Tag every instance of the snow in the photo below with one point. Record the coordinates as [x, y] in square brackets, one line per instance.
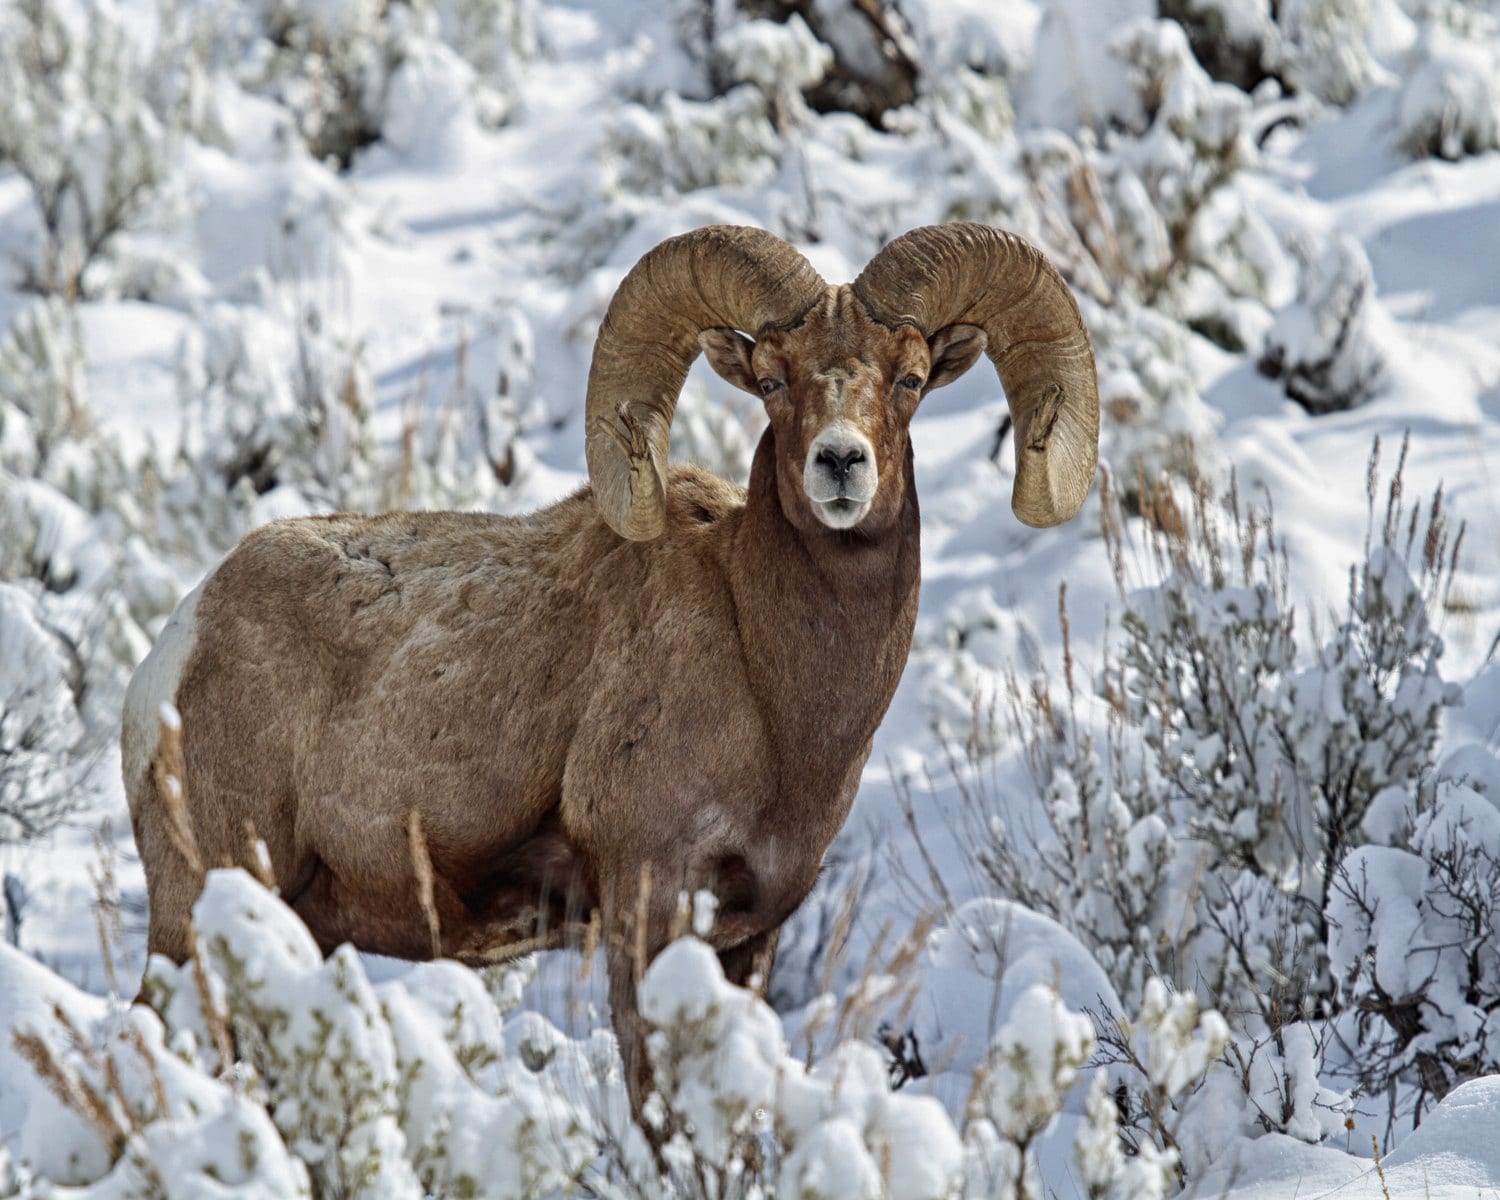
[288, 323]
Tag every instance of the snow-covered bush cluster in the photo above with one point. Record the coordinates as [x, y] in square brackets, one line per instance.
[266, 1068]
[1327, 348]
[76, 123]
[1237, 878]
[412, 74]
[1450, 104]
[1263, 816]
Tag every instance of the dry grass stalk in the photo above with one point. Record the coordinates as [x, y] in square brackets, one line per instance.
[215, 1018]
[158, 1089]
[838, 940]
[864, 1002]
[170, 770]
[73, 1091]
[108, 1110]
[257, 859]
[1067, 641]
[1385, 1189]
[682, 917]
[421, 863]
[642, 914]
[107, 921]
[934, 876]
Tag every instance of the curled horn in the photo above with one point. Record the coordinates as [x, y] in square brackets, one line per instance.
[970, 274]
[721, 276]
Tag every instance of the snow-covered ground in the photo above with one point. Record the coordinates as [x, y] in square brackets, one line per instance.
[362, 251]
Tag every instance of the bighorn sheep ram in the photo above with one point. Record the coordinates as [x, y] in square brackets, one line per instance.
[662, 683]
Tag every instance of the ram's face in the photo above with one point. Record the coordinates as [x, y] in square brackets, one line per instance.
[840, 390]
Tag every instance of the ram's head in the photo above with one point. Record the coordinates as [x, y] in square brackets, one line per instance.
[842, 368]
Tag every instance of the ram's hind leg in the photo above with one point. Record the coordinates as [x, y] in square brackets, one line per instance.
[172, 881]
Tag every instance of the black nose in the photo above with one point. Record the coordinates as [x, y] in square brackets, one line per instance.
[840, 464]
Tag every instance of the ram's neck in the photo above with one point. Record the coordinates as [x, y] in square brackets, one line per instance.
[826, 622]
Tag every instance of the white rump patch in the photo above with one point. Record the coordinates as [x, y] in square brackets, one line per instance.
[153, 688]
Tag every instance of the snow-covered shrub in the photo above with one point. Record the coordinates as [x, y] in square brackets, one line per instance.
[1033, 1062]
[1202, 809]
[684, 145]
[278, 400]
[838, 55]
[1320, 48]
[1153, 213]
[402, 1090]
[266, 1068]
[47, 431]
[41, 388]
[1162, 1058]
[76, 124]
[324, 63]
[1155, 421]
[736, 138]
[497, 38]
[72, 558]
[1325, 49]
[426, 106]
[1450, 103]
[981, 643]
[1182, 233]
[351, 72]
[42, 734]
[1234, 40]
[1327, 347]
[470, 451]
[339, 1088]
[1416, 943]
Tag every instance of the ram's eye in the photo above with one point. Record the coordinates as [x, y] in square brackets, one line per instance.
[912, 381]
[767, 386]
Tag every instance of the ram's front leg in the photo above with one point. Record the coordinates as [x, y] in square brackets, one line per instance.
[636, 924]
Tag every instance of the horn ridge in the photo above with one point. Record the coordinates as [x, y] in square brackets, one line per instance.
[966, 273]
[718, 276]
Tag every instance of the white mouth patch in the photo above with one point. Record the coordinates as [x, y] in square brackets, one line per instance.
[840, 475]
[841, 514]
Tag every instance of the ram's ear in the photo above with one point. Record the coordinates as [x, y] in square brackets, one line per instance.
[954, 350]
[728, 353]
